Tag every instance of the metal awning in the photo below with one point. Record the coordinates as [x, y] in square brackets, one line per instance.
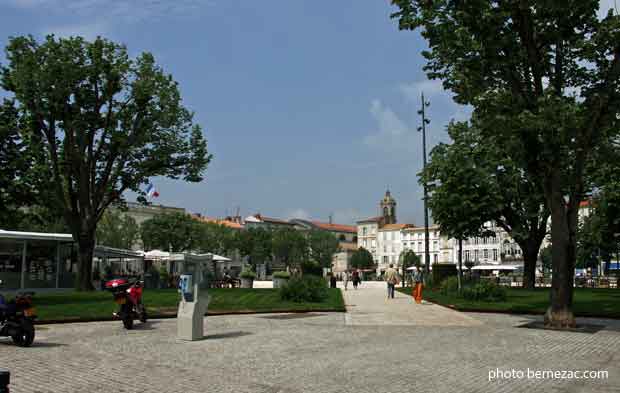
[17, 235]
[495, 267]
[111, 252]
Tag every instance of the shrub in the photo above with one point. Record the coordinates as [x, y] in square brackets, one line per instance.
[164, 276]
[248, 274]
[485, 291]
[281, 275]
[449, 286]
[307, 288]
[441, 271]
[312, 268]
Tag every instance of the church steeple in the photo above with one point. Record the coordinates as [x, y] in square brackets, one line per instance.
[388, 208]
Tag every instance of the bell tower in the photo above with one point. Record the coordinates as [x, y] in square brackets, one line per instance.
[388, 208]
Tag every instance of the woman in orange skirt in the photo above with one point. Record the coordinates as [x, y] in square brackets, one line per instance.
[417, 286]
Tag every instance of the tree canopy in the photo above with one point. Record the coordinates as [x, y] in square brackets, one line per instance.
[108, 124]
[323, 246]
[173, 232]
[498, 190]
[117, 230]
[362, 259]
[290, 246]
[543, 73]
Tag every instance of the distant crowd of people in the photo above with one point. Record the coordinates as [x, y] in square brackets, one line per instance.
[390, 276]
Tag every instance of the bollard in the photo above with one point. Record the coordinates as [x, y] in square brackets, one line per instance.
[5, 379]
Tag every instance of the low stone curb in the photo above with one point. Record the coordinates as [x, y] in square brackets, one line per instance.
[514, 312]
[174, 315]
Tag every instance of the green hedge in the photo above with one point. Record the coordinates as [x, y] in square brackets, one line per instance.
[441, 271]
[307, 288]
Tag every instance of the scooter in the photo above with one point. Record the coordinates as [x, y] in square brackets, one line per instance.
[17, 318]
[128, 295]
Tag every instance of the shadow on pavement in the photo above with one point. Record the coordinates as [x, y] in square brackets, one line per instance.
[226, 335]
[35, 344]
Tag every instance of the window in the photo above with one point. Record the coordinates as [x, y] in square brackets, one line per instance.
[363, 231]
[384, 248]
[365, 243]
[374, 243]
[435, 245]
[467, 255]
[495, 254]
[475, 255]
[393, 248]
[434, 258]
[385, 259]
[420, 248]
[486, 253]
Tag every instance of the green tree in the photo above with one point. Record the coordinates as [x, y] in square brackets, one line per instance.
[407, 259]
[215, 238]
[362, 259]
[544, 73]
[459, 190]
[173, 232]
[117, 230]
[516, 201]
[289, 246]
[256, 244]
[108, 124]
[323, 245]
[25, 200]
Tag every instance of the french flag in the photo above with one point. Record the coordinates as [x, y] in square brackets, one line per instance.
[151, 191]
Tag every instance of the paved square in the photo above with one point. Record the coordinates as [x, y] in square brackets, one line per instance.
[321, 353]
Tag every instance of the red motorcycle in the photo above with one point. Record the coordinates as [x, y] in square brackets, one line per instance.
[128, 295]
[17, 318]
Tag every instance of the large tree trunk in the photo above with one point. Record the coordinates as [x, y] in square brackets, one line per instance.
[560, 314]
[460, 271]
[530, 257]
[86, 246]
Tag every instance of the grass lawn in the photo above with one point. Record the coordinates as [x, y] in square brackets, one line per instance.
[587, 302]
[99, 305]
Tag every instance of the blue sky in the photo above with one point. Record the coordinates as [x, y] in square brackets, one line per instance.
[309, 107]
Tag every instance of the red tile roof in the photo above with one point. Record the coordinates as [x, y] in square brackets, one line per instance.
[335, 227]
[392, 227]
[372, 219]
[226, 223]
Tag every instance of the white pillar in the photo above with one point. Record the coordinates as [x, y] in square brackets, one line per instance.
[22, 283]
[57, 263]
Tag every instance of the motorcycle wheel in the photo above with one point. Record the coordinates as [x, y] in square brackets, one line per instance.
[128, 322]
[25, 337]
[143, 316]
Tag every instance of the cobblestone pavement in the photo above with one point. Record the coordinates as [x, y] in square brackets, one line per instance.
[290, 353]
[369, 306]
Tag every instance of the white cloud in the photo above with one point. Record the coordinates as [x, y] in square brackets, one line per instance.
[413, 91]
[88, 31]
[103, 15]
[392, 132]
[298, 213]
[606, 5]
[347, 216]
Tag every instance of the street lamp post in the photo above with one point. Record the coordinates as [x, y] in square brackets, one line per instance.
[425, 121]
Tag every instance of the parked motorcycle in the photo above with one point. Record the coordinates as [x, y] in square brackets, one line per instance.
[128, 295]
[17, 318]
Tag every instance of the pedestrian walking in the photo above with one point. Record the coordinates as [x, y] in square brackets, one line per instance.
[391, 277]
[356, 279]
[418, 285]
[345, 278]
